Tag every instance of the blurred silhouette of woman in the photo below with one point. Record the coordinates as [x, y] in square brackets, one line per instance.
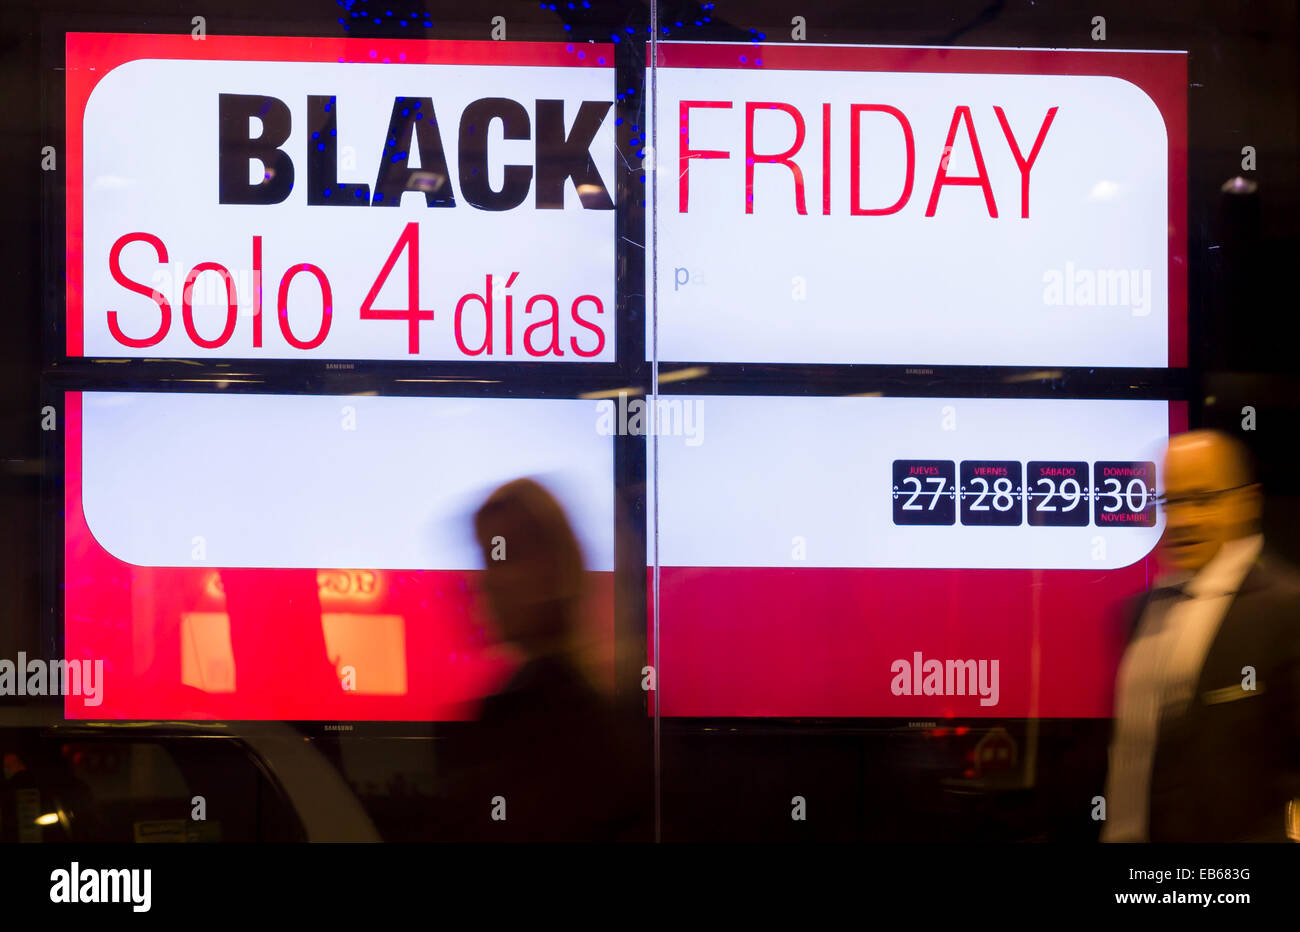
[534, 575]
[550, 765]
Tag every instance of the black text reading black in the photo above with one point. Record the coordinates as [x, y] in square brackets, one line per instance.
[559, 156]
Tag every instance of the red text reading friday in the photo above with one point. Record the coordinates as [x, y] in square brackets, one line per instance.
[961, 118]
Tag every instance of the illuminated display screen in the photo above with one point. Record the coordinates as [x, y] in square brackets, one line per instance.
[305, 557]
[339, 199]
[801, 555]
[295, 556]
[921, 206]
[911, 206]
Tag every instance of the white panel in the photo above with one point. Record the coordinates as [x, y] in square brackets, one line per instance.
[957, 288]
[150, 138]
[279, 480]
[761, 473]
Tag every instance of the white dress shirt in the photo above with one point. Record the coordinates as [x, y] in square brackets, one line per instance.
[1158, 677]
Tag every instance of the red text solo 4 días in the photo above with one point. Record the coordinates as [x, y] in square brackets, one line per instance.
[479, 325]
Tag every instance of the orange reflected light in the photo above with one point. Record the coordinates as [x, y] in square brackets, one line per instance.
[349, 585]
[373, 646]
[334, 585]
[207, 660]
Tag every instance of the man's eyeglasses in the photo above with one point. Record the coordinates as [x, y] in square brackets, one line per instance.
[1196, 499]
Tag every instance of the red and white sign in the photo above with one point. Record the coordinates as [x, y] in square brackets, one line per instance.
[831, 204]
[787, 586]
[339, 199]
[306, 557]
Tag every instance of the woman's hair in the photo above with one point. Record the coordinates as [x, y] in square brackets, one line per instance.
[523, 529]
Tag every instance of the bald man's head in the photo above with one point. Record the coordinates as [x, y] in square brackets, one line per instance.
[1212, 496]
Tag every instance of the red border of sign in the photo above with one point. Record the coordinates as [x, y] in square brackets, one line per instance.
[90, 56]
[1162, 76]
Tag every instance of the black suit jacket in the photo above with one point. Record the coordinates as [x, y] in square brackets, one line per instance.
[553, 749]
[1226, 768]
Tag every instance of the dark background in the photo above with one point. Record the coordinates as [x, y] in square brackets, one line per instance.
[726, 779]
